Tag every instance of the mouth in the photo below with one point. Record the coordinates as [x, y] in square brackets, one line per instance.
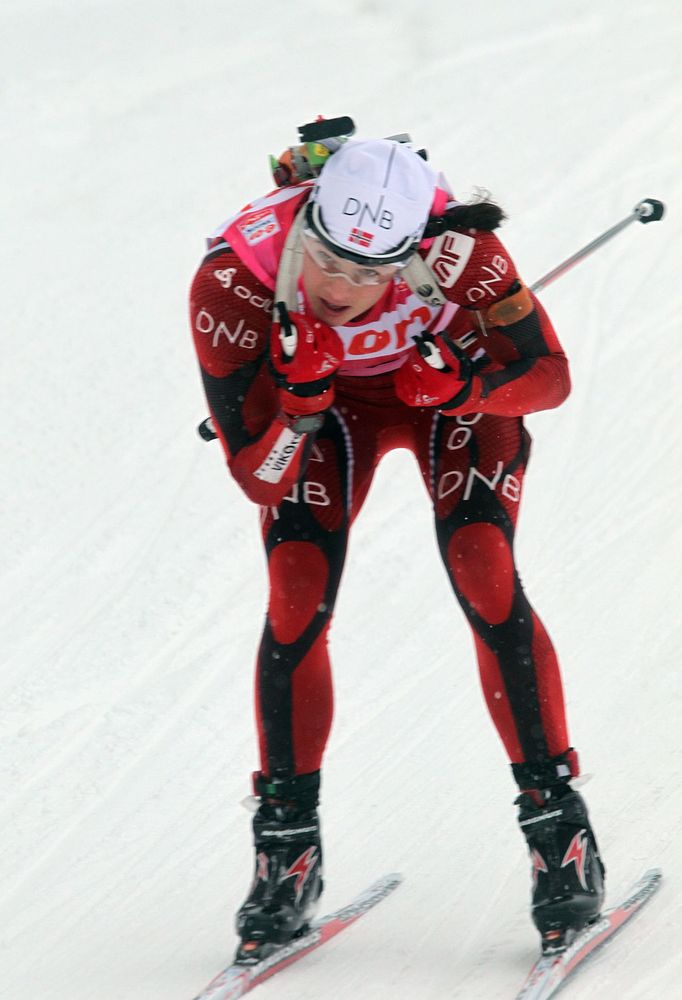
[332, 308]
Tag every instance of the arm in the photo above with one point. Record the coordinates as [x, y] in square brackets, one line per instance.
[231, 318]
[528, 370]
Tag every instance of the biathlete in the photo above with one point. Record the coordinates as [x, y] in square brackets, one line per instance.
[356, 309]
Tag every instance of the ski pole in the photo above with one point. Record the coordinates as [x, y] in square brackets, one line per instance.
[648, 210]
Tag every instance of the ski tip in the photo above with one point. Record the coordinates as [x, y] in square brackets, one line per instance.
[395, 879]
[641, 890]
[385, 885]
[388, 882]
[652, 877]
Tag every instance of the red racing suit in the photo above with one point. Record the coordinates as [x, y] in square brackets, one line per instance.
[311, 486]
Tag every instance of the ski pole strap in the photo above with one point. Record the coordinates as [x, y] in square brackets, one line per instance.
[648, 210]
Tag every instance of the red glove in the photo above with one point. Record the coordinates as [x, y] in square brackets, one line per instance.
[304, 355]
[436, 373]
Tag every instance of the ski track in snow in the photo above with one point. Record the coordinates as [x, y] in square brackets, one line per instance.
[133, 584]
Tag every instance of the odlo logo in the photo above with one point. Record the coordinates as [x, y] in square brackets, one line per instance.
[360, 210]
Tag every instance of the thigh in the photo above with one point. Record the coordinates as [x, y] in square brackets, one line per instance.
[476, 469]
[476, 479]
[314, 519]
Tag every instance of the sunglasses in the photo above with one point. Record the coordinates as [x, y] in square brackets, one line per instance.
[336, 267]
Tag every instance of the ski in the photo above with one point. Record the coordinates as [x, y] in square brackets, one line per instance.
[550, 972]
[236, 980]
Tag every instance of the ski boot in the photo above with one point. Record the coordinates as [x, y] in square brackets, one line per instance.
[287, 882]
[568, 874]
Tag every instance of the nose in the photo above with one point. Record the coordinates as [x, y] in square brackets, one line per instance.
[336, 289]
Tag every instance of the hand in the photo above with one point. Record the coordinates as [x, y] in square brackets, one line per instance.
[436, 373]
[305, 355]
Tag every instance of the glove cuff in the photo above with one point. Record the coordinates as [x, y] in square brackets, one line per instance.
[295, 405]
[315, 388]
[470, 395]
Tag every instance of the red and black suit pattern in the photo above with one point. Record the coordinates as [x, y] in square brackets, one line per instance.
[472, 459]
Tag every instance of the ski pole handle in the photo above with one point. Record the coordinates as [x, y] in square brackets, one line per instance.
[648, 210]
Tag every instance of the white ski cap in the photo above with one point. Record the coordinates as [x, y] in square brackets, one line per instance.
[372, 199]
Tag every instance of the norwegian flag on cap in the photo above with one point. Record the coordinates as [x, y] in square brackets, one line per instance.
[360, 237]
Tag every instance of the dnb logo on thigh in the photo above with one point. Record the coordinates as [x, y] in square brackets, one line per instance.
[449, 482]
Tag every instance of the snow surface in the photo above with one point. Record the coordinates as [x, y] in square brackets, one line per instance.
[132, 577]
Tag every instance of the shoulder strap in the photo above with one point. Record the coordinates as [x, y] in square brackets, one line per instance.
[291, 265]
[422, 281]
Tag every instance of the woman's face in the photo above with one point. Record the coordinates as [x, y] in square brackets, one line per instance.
[333, 298]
